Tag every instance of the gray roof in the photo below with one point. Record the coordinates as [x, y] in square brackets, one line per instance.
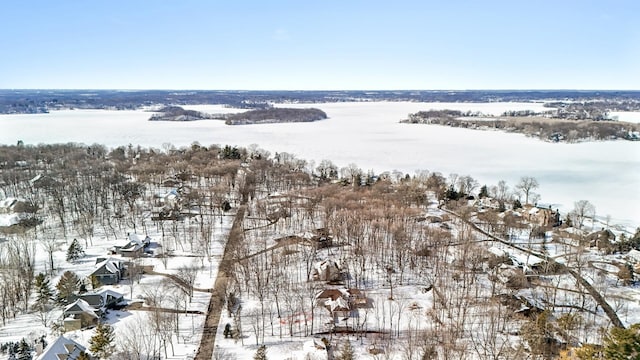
[69, 349]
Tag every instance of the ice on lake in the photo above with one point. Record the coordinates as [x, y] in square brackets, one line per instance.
[369, 134]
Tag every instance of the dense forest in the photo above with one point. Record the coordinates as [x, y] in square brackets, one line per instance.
[275, 115]
[557, 127]
[177, 113]
[259, 116]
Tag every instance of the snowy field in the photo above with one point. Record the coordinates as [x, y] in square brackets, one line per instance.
[369, 135]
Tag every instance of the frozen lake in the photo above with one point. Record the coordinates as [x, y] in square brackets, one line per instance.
[628, 116]
[369, 135]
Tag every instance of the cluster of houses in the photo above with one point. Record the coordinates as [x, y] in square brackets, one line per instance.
[86, 309]
[341, 303]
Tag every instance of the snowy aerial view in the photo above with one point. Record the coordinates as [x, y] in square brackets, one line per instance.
[333, 181]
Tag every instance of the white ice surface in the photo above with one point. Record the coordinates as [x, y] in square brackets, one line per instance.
[369, 135]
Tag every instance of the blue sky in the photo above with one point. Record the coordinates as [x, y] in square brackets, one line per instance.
[268, 45]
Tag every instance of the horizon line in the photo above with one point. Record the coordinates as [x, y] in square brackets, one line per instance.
[310, 90]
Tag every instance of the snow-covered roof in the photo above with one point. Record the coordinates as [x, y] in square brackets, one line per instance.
[330, 294]
[9, 219]
[8, 202]
[526, 260]
[134, 238]
[104, 292]
[168, 195]
[634, 255]
[339, 304]
[323, 265]
[82, 305]
[110, 265]
[62, 348]
[36, 178]
[497, 251]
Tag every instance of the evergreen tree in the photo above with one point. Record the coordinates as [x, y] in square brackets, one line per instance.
[75, 251]
[538, 334]
[452, 194]
[346, 353]
[261, 354]
[83, 356]
[43, 287]
[622, 343]
[44, 296]
[69, 283]
[517, 204]
[484, 192]
[24, 351]
[101, 343]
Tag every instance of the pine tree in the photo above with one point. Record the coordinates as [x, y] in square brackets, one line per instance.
[43, 287]
[75, 251]
[24, 351]
[261, 354]
[101, 343]
[83, 356]
[517, 204]
[346, 353]
[42, 306]
[69, 283]
[622, 343]
[484, 192]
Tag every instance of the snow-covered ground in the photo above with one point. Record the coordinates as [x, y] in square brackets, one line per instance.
[628, 116]
[369, 135]
[131, 322]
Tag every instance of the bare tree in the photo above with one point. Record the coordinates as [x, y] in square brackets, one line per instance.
[137, 341]
[467, 184]
[186, 276]
[500, 191]
[582, 210]
[50, 245]
[526, 186]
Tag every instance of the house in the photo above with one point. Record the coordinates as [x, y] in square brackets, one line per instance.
[79, 315]
[62, 349]
[167, 206]
[342, 304]
[102, 300]
[488, 203]
[133, 247]
[42, 181]
[327, 270]
[18, 212]
[108, 271]
[601, 239]
[541, 215]
[633, 256]
[358, 299]
[321, 238]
